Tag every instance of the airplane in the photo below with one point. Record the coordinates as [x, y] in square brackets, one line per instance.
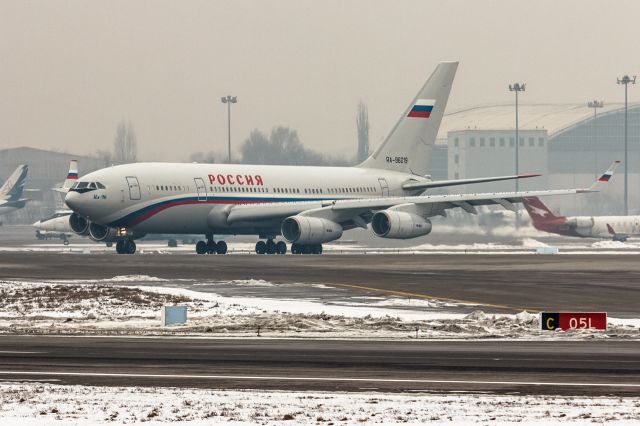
[11, 191]
[57, 225]
[308, 206]
[616, 228]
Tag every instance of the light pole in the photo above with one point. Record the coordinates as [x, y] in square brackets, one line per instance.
[625, 80]
[595, 105]
[229, 100]
[517, 87]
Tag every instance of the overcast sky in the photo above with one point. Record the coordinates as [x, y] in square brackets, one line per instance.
[70, 70]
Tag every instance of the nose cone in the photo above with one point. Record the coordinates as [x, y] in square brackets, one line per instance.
[73, 200]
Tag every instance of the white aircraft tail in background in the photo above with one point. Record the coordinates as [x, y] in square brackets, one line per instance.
[11, 192]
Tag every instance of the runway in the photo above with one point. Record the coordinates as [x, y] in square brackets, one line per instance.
[500, 283]
[571, 368]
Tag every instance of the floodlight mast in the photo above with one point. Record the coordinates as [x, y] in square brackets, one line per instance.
[595, 105]
[626, 80]
[517, 87]
[229, 100]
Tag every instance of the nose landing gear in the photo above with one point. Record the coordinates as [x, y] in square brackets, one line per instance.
[125, 247]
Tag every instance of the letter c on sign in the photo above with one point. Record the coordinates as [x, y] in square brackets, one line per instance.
[550, 325]
[239, 180]
[230, 180]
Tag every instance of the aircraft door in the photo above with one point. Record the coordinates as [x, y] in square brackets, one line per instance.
[134, 187]
[201, 188]
[384, 187]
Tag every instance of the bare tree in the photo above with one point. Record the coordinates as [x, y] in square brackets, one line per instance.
[362, 123]
[283, 146]
[105, 157]
[125, 144]
[203, 157]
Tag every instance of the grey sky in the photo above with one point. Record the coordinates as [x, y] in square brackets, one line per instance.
[72, 69]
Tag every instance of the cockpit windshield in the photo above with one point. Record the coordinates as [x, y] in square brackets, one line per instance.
[86, 186]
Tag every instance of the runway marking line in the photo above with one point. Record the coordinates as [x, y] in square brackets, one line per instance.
[428, 296]
[314, 379]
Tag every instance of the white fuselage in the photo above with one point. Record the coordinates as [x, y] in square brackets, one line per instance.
[56, 225]
[598, 226]
[183, 198]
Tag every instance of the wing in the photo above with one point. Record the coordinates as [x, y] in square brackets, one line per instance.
[454, 182]
[342, 211]
[350, 213]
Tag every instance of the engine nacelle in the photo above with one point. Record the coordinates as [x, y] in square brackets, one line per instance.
[79, 224]
[399, 225]
[580, 222]
[310, 230]
[102, 233]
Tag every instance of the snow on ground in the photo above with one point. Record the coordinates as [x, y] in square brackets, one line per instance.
[115, 306]
[28, 404]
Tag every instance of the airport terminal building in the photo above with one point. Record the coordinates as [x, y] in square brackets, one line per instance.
[564, 142]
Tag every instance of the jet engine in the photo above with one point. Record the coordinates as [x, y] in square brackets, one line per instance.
[79, 224]
[399, 225]
[102, 233]
[580, 222]
[310, 230]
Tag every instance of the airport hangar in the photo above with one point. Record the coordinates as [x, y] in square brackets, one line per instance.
[561, 141]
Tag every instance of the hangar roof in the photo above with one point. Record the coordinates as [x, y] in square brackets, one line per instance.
[555, 118]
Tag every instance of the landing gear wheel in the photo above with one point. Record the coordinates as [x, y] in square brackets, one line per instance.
[65, 242]
[221, 247]
[316, 249]
[261, 247]
[201, 247]
[130, 247]
[211, 247]
[271, 247]
[295, 248]
[120, 245]
[306, 249]
[281, 247]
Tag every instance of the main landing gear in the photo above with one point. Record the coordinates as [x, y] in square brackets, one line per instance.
[306, 248]
[271, 247]
[211, 247]
[125, 247]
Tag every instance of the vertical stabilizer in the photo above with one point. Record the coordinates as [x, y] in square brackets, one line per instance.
[12, 188]
[72, 176]
[538, 211]
[407, 147]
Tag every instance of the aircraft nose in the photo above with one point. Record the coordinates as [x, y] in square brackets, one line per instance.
[72, 199]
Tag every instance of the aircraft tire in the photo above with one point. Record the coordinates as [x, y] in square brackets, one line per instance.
[295, 248]
[201, 247]
[306, 249]
[221, 247]
[65, 242]
[120, 247]
[271, 247]
[211, 247]
[281, 247]
[261, 247]
[316, 249]
[130, 247]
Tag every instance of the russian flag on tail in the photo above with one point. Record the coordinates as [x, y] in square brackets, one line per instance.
[607, 175]
[422, 108]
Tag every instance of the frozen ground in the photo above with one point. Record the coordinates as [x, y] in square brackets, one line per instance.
[119, 306]
[27, 404]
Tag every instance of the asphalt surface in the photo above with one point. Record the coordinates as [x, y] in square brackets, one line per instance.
[572, 368]
[499, 282]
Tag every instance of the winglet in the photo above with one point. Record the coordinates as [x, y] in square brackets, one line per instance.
[606, 176]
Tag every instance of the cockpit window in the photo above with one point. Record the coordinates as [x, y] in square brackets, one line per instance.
[82, 187]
